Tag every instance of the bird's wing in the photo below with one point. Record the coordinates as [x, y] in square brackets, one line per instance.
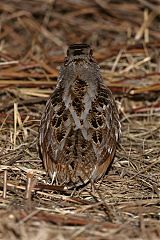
[54, 129]
[104, 128]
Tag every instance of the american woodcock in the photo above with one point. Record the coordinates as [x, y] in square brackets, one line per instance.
[80, 126]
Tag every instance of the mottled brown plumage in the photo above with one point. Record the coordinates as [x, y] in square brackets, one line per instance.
[80, 126]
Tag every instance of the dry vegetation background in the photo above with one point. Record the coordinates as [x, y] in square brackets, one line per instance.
[125, 36]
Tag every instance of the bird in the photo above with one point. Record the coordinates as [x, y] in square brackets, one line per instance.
[80, 126]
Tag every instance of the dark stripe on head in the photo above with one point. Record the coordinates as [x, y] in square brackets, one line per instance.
[78, 49]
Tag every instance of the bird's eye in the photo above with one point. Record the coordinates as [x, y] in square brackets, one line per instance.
[67, 52]
[65, 60]
[91, 52]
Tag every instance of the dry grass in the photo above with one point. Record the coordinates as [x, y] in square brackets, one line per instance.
[34, 37]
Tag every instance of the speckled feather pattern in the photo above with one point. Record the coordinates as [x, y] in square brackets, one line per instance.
[80, 126]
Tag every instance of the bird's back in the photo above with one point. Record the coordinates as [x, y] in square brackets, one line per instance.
[79, 129]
